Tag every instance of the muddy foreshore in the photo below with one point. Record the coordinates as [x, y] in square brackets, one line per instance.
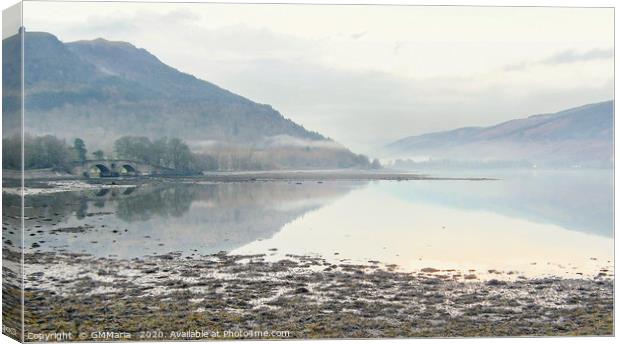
[227, 296]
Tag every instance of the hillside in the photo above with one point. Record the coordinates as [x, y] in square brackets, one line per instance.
[578, 136]
[115, 88]
[100, 90]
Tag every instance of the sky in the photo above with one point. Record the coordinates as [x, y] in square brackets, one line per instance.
[367, 75]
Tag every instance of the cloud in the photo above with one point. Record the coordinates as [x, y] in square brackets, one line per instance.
[382, 107]
[516, 66]
[358, 35]
[337, 82]
[563, 57]
[179, 16]
[121, 25]
[571, 56]
[286, 141]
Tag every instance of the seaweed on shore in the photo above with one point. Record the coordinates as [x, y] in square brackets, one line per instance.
[168, 293]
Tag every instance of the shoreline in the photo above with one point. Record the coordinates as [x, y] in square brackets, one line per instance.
[307, 296]
[38, 176]
[46, 185]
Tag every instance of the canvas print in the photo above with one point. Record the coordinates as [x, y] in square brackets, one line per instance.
[208, 171]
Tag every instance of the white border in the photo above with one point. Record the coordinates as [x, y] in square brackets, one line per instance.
[522, 3]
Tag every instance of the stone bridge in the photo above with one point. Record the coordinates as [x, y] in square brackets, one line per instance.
[117, 168]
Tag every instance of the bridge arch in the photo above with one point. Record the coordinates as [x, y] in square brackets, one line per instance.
[99, 170]
[128, 170]
[117, 168]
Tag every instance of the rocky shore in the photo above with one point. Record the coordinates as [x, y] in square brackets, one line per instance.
[231, 296]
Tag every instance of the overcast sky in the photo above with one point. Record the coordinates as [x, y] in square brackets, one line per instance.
[367, 75]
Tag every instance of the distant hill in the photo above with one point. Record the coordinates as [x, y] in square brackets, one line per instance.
[100, 90]
[578, 136]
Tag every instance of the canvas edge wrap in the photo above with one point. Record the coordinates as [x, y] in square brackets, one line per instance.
[13, 129]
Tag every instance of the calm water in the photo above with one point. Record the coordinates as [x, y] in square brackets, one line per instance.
[535, 223]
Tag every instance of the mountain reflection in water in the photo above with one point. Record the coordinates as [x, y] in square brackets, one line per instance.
[545, 223]
[531, 221]
[580, 200]
[199, 217]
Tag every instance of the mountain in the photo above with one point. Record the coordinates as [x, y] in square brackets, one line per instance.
[108, 87]
[100, 90]
[578, 136]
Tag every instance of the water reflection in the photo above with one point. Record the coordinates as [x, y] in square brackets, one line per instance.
[532, 223]
[518, 226]
[580, 200]
[163, 202]
[160, 218]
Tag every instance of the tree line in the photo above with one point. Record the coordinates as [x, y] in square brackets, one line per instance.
[243, 158]
[39, 152]
[49, 151]
[171, 153]
[52, 152]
